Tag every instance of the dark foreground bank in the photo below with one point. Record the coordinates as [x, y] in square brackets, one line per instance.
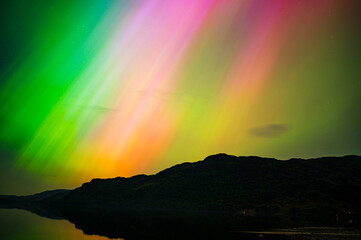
[220, 197]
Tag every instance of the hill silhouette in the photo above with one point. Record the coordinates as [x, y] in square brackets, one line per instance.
[41, 204]
[249, 185]
[214, 198]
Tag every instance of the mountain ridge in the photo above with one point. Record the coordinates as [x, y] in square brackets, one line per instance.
[225, 182]
[319, 187]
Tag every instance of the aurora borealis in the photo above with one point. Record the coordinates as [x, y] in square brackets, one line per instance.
[117, 88]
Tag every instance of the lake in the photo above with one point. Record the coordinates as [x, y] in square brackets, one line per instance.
[20, 224]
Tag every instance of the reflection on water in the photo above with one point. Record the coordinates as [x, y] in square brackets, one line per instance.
[21, 224]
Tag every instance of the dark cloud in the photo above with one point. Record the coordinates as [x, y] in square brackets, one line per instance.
[269, 131]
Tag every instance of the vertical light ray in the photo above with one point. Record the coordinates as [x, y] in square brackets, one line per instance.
[108, 88]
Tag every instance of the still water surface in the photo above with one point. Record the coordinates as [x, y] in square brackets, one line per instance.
[20, 224]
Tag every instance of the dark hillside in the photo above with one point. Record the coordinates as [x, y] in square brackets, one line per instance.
[252, 185]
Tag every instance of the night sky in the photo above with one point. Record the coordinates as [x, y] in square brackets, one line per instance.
[117, 88]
